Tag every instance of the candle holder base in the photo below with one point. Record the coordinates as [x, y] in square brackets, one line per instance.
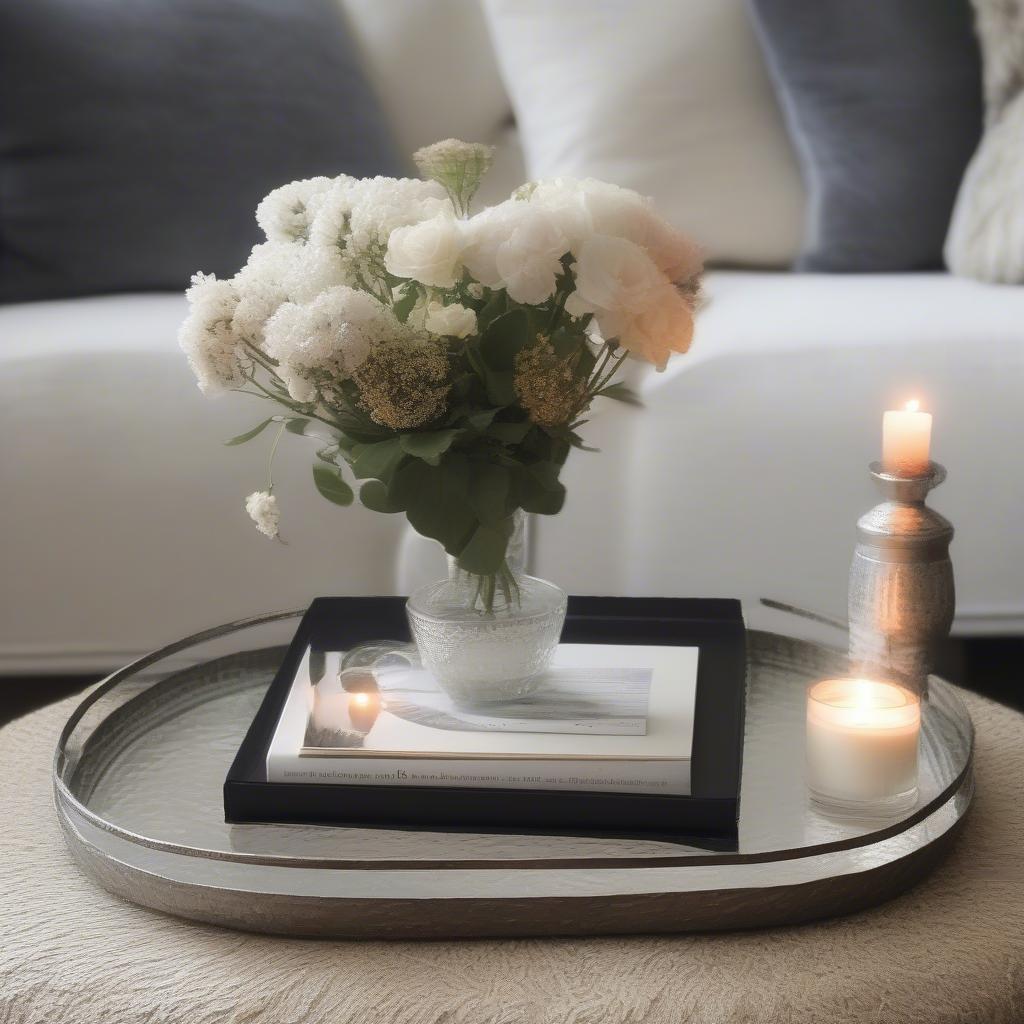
[894, 806]
[901, 595]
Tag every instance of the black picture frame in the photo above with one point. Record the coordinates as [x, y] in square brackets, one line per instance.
[336, 623]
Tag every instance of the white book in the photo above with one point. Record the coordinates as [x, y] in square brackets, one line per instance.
[606, 718]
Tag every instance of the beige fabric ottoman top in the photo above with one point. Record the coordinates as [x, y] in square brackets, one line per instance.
[950, 950]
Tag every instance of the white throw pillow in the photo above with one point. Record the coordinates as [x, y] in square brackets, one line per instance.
[669, 98]
[433, 67]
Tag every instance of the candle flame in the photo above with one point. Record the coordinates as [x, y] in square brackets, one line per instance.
[360, 699]
[913, 405]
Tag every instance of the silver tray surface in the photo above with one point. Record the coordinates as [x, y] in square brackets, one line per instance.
[140, 766]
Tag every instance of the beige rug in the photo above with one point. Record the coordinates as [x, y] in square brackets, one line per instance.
[951, 950]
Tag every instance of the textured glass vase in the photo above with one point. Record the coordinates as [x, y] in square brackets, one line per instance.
[488, 640]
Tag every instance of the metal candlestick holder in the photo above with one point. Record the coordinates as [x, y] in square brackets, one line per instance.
[901, 597]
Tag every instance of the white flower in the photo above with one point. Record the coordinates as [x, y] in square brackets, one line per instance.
[588, 207]
[263, 511]
[613, 277]
[428, 252]
[475, 289]
[323, 342]
[458, 166]
[518, 247]
[214, 350]
[453, 321]
[664, 326]
[285, 215]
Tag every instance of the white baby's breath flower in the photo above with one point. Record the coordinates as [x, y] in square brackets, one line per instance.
[454, 321]
[215, 352]
[263, 511]
[285, 215]
[323, 342]
[428, 252]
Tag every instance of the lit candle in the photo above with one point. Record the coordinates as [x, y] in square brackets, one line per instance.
[906, 438]
[363, 708]
[862, 739]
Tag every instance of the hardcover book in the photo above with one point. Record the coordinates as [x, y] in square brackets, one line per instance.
[606, 718]
[637, 726]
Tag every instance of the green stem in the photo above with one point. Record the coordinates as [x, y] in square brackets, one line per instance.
[270, 459]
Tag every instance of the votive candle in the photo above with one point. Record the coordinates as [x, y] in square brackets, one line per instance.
[862, 744]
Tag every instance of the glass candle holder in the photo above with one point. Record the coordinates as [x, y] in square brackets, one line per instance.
[862, 747]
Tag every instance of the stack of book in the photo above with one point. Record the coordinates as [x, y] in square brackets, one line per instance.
[641, 731]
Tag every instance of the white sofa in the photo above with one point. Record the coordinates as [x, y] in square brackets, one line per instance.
[122, 514]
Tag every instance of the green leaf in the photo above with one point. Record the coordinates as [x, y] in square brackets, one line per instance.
[250, 434]
[428, 446]
[539, 489]
[486, 549]
[374, 496]
[510, 433]
[404, 306]
[330, 484]
[621, 393]
[436, 500]
[378, 460]
[495, 306]
[504, 339]
[296, 425]
[482, 420]
[488, 492]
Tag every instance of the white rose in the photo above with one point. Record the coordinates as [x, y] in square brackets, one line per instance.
[663, 327]
[428, 252]
[613, 277]
[454, 321]
[518, 247]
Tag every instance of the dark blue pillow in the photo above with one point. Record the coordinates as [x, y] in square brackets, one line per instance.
[883, 100]
[137, 136]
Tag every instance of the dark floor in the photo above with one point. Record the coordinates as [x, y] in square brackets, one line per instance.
[993, 666]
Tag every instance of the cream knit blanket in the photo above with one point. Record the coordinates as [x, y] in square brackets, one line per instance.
[950, 950]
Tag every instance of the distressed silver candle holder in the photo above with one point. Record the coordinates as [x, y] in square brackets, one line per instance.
[901, 597]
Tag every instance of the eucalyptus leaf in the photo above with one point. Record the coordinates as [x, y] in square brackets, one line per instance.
[436, 500]
[374, 496]
[621, 393]
[404, 306]
[482, 420]
[504, 339]
[330, 484]
[250, 434]
[378, 460]
[489, 491]
[485, 552]
[296, 425]
[510, 433]
[428, 446]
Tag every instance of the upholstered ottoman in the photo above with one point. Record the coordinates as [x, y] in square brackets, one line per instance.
[950, 950]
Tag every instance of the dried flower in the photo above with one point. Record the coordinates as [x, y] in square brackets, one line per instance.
[458, 166]
[263, 511]
[548, 387]
[404, 385]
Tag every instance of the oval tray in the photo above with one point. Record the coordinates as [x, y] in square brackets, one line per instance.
[140, 765]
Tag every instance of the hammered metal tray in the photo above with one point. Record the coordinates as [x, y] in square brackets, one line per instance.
[140, 765]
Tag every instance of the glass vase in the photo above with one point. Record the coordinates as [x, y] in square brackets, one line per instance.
[488, 639]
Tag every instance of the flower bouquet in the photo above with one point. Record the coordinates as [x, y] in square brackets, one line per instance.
[443, 360]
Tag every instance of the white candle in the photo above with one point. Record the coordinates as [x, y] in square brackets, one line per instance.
[862, 739]
[906, 440]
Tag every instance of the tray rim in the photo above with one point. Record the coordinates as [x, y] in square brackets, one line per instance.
[65, 800]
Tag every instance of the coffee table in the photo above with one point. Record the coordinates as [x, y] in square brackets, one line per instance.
[139, 768]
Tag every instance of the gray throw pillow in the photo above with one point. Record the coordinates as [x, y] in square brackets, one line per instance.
[137, 136]
[883, 100]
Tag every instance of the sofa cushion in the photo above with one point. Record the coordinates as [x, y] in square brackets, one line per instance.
[884, 104]
[986, 235]
[671, 99]
[137, 136]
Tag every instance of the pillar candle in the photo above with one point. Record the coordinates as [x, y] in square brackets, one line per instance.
[906, 439]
